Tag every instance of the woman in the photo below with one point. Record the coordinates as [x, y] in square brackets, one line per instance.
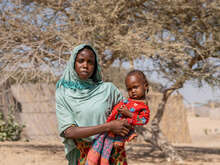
[83, 102]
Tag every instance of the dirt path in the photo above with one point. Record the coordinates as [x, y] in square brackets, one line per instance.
[204, 150]
[51, 153]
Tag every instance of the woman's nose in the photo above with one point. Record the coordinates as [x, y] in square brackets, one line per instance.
[85, 65]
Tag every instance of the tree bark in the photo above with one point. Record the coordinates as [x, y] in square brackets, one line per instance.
[154, 135]
[156, 138]
[131, 63]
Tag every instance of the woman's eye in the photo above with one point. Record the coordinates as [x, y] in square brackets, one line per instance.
[80, 60]
[91, 62]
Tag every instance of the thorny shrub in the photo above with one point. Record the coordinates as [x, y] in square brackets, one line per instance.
[10, 130]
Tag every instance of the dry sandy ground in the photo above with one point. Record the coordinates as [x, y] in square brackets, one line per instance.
[204, 150]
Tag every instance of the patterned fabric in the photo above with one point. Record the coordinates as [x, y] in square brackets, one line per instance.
[101, 150]
[83, 147]
[141, 112]
[118, 154]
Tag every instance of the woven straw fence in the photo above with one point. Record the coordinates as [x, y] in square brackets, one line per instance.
[174, 122]
[38, 110]
[38, 113]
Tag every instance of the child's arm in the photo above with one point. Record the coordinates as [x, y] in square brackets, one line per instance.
[136, 118]
[114, 113]
[124, 111]
[142, 118]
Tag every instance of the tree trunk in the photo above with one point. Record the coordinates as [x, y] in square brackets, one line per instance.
[154, 135]
[159, 141]
[131, 63]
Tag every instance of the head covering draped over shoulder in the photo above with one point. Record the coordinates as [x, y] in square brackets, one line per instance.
[82, 103]
[70, 79]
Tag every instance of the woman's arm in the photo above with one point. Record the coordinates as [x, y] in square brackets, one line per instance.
[119, 127]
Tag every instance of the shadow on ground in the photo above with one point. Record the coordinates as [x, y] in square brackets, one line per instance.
[143, 152]
[138, 152]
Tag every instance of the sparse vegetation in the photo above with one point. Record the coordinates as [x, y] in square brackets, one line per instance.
[10, 130]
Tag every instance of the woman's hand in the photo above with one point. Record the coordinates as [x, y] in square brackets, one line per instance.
[120, 127]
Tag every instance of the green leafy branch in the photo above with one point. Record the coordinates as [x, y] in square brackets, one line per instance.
[10, 130]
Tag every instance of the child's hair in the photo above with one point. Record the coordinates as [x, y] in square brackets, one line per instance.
[139, 73]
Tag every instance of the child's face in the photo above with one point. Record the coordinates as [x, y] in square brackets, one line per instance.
[136, 87]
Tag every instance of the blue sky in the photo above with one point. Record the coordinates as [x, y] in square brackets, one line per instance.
[194, 94]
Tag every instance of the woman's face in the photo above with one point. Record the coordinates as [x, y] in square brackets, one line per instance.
[85, 64]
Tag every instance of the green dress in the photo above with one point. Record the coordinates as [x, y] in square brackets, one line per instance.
[82, 103]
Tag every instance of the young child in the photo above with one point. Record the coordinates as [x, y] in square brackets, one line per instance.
[133, 109]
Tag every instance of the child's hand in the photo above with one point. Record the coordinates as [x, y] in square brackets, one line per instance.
[124, 111]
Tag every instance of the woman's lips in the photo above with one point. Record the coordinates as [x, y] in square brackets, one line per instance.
[84, 72]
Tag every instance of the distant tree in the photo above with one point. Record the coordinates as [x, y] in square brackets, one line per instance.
[180, 37]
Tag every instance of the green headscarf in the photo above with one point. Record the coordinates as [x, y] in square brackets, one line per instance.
[70, 79]
[82, 102]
